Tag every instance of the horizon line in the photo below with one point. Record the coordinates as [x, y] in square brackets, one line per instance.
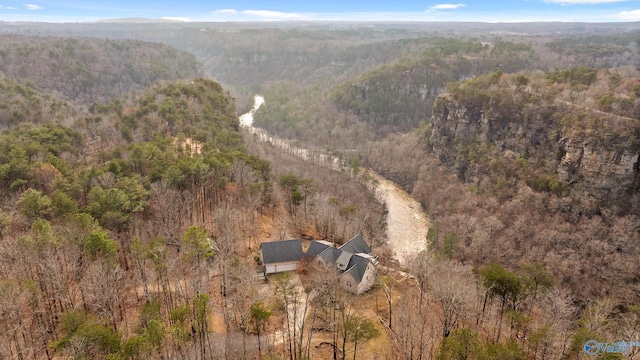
[169, 20]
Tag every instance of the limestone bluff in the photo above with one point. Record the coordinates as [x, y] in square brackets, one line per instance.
[530, 134]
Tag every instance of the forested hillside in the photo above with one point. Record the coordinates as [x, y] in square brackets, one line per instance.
[564, 140]
[20, 103]
[128, 226]
[83, 71]
[548, 172]
[76, 228]
[397, 97]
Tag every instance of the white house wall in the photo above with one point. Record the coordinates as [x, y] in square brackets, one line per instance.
[368, 279]
[280, 267]
[349, 283]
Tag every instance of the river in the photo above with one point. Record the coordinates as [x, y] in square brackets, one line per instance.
[407, 224]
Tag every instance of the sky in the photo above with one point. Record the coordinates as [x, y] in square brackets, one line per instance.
[323, 10]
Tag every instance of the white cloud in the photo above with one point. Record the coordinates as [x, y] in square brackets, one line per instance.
[446, 6]
[33, 7]
[275, 15]
[176, 18]
[225, 11]
[582, 2]
[632, 15]
[7, 7]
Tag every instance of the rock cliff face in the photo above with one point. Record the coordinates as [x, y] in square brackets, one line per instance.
[602, 169]
[533, 141]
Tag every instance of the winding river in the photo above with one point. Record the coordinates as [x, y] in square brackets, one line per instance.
[407, 224]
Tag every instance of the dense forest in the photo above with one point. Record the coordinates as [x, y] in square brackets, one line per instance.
[84, 71]
[133, 205]
[123, 222]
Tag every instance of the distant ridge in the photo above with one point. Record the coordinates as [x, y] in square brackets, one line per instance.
[137, 21]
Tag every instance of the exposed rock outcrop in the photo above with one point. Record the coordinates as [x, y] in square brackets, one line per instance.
[534, 139]
[602, 169]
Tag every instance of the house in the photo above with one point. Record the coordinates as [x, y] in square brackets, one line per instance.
[360, 274]
[353, 261]
[280, 256]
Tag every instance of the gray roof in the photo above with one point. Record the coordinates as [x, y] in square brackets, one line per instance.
[352, 257]
[281, 251]
[316, 248]
[330, 255]
[356, 245]
[357, 267]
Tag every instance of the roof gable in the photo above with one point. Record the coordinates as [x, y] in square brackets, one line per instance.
[357, 267]
[329, 255]
[281, 251]
[316, 247]
[356, 245]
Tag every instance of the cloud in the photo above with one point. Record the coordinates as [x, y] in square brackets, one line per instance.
[275, 15]
[7, 7]
[582, 2]
[632, 15]
[446, 6]
[176, 18]
[225, 11]
[33, 7]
